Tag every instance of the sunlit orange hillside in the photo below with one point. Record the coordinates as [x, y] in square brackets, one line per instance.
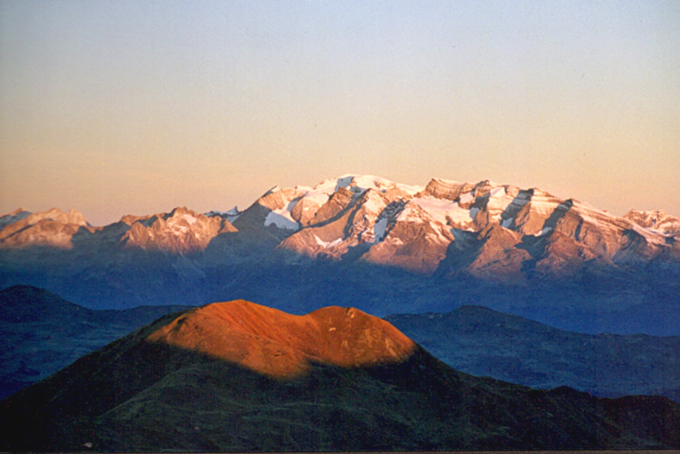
[278, 344]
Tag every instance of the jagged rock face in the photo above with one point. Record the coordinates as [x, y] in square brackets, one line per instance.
[378, 223]
[361, 225]
[445, 189]
[612, 238]
[533, 215]
[180, 231]
[337, 202]
[420, 241]
[486, 230]
[499, 256]
[14, 216]
[494, 203]
[52, 228]
[305, 211]
[657, 221]
[413, 240]
[563, 257]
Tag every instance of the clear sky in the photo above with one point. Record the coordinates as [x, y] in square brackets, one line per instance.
[117, 107]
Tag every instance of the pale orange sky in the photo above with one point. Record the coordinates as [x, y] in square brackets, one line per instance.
[138, 106]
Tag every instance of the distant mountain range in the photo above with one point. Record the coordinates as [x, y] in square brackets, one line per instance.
[242, 377]
[365, 241]
[483, 342]
[42, 333]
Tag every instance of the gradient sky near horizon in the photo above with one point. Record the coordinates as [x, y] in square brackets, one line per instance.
[136, 107]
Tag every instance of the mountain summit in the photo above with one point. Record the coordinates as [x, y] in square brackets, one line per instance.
[53, 228]
[276, 344]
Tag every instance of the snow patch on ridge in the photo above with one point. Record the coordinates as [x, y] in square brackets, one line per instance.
[410, 214]
[442, 210]
[359, 184]
[467, 198]
[410, 189]
[590, 214]
[499, 201]
[281, 219]
[379, 229]
[373, 203]
[327, 244]
[366, 182]
[318, 198]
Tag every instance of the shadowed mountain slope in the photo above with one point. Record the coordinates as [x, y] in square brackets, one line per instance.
[43, 333]
[483, 342]
[218, 378]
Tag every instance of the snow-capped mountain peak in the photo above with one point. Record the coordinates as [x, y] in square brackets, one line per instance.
[501, 229]
[351, 210]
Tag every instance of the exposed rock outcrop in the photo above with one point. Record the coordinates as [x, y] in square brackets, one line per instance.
[52, 228]
[180, 231]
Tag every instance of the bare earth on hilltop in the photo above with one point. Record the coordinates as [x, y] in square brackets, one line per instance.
[273, 343]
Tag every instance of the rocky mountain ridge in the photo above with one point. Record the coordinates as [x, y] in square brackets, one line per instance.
[657, 221]
[398, 225]
[446, 233]
[180, 231]
[51, 228]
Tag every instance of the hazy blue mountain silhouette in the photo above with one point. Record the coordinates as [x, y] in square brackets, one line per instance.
[483, 342]
[42, 333]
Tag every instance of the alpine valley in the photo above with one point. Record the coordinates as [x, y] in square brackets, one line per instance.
[373, 244]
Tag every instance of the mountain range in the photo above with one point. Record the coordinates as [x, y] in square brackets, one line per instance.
[237, 376]
[483, 342]
[368, 242]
